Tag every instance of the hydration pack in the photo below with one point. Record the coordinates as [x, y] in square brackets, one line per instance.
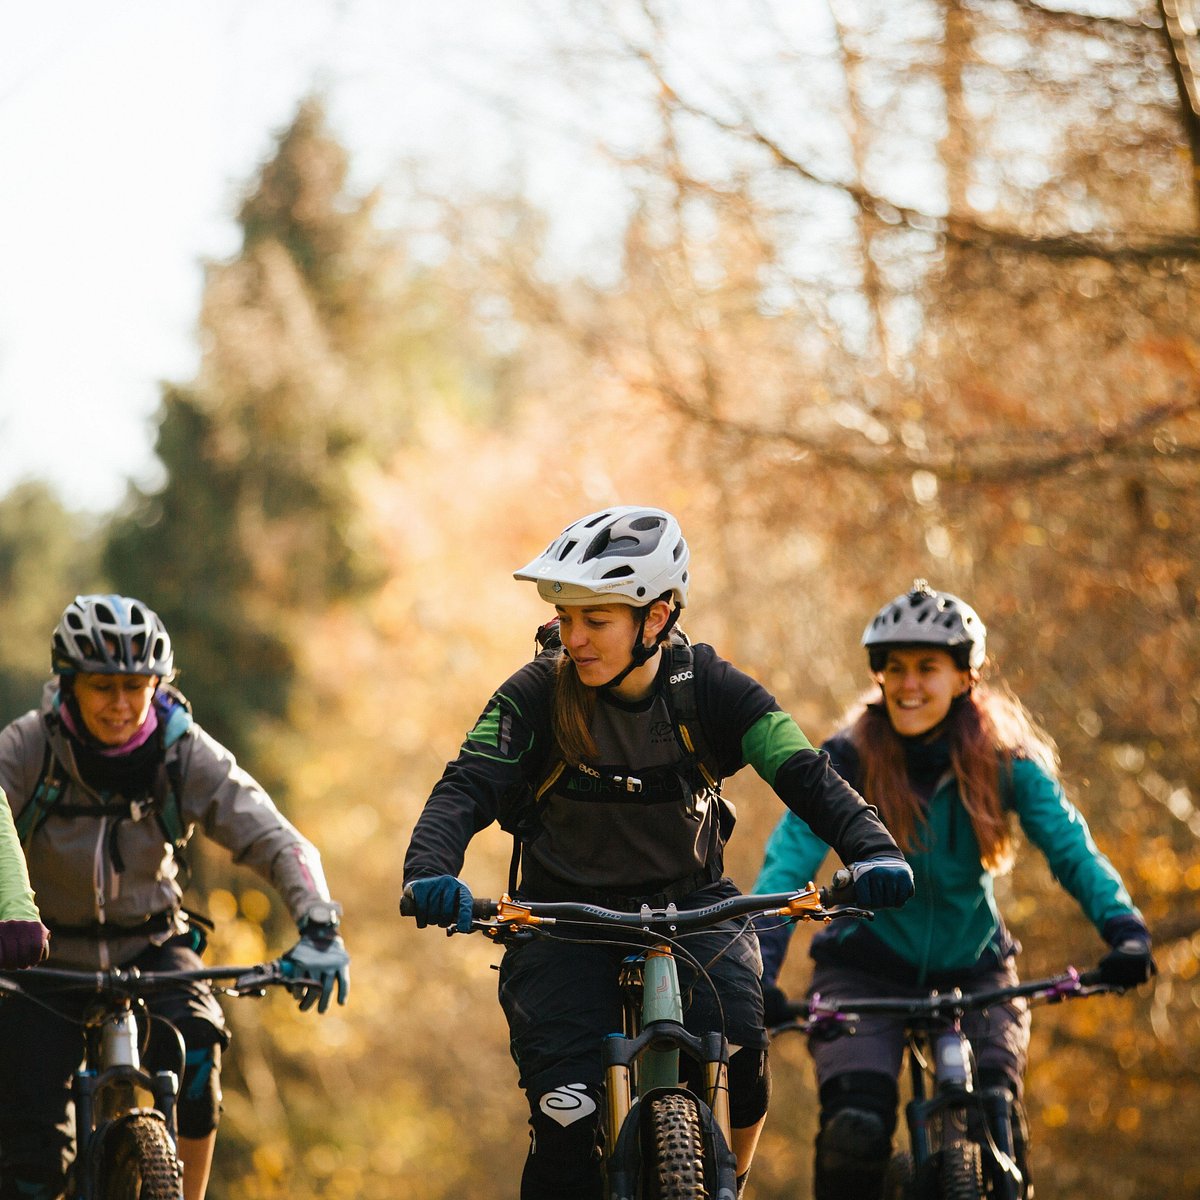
[697, 771]
[162, 803]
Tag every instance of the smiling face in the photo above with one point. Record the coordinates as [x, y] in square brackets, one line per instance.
[919, 685]
[114, 707]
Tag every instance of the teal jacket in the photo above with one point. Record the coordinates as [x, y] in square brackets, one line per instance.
[951, 924]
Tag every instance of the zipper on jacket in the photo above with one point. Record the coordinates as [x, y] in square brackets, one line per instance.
[98, 889]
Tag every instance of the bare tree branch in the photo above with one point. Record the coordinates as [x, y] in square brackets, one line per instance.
[962, 231]
[976, 460]
[1090, 22]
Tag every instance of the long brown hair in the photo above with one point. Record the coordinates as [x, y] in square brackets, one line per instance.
[574, 703]
[987, 729]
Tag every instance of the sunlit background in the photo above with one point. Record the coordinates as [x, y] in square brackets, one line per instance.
[317, 319]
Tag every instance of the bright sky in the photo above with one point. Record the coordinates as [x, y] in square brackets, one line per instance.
[127, 131]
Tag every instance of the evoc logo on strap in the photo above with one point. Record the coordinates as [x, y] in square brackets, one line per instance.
[682, 677]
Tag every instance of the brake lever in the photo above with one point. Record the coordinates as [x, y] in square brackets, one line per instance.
[256, 981]
[849, 910]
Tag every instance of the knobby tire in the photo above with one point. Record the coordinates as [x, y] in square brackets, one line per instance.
[673, 1150]
[962, 1170]
[139, 1162]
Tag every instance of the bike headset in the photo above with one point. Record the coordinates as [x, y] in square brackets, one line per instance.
[927, 617]
[627, 554]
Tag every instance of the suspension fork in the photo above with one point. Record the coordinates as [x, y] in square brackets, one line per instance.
[655, 1046]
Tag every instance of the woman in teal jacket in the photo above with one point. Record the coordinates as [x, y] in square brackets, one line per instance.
[946, 760]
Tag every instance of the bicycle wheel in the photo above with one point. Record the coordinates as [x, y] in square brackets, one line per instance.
[962, 1170]
[673, 1150]
[138, 1162]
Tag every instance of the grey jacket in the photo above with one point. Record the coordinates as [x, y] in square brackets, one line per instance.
[70, 858]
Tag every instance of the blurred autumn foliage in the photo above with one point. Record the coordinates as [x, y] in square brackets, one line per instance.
[911, 289]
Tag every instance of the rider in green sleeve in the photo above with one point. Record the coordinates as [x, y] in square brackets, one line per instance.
[24, 940]
[948, 762]
[628, 812]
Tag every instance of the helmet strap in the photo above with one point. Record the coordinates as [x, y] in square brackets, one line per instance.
[640, 653]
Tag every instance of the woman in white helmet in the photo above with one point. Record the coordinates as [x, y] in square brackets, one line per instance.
[947, 760]
[580, 727]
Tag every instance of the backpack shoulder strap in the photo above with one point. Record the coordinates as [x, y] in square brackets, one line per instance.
[45, 796]
[681, 688]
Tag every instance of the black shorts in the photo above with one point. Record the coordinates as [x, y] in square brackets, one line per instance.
[562, 997]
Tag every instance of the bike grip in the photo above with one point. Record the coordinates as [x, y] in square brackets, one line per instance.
[408, 906]
[481, 908]
[840, 889]
[1091, 978]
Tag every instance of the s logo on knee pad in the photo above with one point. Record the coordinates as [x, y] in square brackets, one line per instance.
[568, 1104]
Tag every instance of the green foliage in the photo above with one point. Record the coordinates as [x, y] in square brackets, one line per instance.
[265, 451]
[47, 556]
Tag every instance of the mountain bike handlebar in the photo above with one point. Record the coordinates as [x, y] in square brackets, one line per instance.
[819, 1015]
[129, 981]
[810, 904]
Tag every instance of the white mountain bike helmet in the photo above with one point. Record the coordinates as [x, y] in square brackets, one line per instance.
[926, 617]
[111, 635]
[627, 554]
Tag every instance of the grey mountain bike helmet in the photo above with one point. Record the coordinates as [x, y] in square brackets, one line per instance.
[111, 635]
[622, 555]
[925, 617]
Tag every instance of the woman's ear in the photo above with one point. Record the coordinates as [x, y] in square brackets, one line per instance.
[657, 617]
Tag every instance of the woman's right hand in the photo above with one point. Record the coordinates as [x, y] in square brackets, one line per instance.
[884, 882]
[23, 944]
[440, 900]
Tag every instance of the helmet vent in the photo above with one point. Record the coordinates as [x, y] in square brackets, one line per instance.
[621, 572]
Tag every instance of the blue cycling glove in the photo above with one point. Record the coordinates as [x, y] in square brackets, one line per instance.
[882, 882]
[442, 900]
[320, 957]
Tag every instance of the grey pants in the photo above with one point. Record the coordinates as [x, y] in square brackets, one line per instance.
[1000, 1035]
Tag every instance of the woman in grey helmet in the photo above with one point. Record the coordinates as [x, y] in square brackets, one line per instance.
[107, 781]
[576, 726]
[946, 760]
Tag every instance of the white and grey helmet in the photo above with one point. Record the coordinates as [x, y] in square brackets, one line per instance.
[111, 635]
[926, 617]
[627, 554]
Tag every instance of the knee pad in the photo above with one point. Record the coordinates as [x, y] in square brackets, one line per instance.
[749, 1087]
[858, 1117]
[563, 1156]
[198, 1108]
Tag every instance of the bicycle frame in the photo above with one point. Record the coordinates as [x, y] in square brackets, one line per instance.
[106, 1087]
[941, 1067]
[641, 1064]
[943, 1050]
[650, 1049]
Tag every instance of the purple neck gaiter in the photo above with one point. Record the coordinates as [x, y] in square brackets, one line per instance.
[149, 725]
